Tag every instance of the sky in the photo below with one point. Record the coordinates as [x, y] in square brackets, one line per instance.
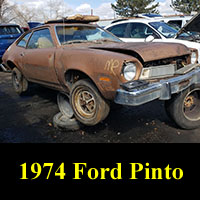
[94, 3]
[101, 8]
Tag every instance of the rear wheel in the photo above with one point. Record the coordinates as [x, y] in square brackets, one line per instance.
[20, 84]
[89, 106]
[184, 108]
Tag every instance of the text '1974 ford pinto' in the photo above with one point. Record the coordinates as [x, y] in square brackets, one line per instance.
[91, 68]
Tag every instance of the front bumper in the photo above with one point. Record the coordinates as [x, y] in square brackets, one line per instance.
[162, 90]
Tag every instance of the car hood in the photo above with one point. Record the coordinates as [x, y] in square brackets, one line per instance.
[147, 51]
[193, 25]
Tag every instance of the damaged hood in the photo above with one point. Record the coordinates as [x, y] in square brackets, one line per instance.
[193, 25]
[147, 51]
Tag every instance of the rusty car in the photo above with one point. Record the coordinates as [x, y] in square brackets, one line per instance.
[92, 68]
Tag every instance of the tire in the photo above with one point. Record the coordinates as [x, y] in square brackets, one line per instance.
[62, 121]
[184, 108]
[20, 84]
[64, 105]
[88, 105]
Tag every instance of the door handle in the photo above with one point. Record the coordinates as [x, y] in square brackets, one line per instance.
[22, 54]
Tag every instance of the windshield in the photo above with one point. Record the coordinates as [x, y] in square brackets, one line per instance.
[79, 34]
[164, 29]
[10, 30]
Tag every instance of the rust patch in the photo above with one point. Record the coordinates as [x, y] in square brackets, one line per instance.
[184, 84]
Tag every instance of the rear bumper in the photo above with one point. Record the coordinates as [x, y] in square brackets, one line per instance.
[162, 90]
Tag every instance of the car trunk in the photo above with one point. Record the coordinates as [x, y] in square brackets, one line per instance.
[8, 34]
[8, 39]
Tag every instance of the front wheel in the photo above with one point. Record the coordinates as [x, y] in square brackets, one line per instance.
[184, 108]
[88, 105]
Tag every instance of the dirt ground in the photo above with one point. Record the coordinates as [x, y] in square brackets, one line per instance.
[28, 119]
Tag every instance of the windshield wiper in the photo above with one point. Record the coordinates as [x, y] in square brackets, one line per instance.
[104, 40]
[75, 41]
[99, 41]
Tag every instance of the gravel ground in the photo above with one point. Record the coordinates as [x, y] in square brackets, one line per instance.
[28, 119]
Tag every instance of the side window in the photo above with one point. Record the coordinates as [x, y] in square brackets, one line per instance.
[118, 30]
[178, 23]
[40, 39]
[23, 41]
[140, 30]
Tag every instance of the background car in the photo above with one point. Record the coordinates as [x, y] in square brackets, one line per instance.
[8, 34]
[178, 21]
[139, 30]
[150, 16]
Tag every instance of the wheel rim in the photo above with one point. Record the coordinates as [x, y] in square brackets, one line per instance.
[85, 103]
[191, 105]
[16, 80]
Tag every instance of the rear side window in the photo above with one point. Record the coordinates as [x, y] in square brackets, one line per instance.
[118, 30]
[10, 30]
[24, 40]
[176, 22]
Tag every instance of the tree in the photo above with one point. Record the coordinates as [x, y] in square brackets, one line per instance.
[6, 10]
[186, 6]
[24, 14]
[130, 8]
[51, 9]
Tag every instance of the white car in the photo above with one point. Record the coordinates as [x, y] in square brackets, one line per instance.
[178, 21]
[148, 30]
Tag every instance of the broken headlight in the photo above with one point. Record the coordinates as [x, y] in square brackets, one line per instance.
[129, 71]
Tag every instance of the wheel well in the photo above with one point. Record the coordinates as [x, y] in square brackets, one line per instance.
[11, 65]
[72, 76]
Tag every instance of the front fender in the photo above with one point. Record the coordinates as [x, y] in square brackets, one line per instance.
[104, 69]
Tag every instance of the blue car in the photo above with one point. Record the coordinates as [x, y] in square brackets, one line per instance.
[8, 34]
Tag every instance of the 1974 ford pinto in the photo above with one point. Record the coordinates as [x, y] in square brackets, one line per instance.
[93, 68]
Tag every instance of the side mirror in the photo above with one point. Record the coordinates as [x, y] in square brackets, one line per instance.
[150, 38]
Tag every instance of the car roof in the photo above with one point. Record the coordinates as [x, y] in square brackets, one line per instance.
[177, 17]
[139, 20]
[147, 20]
[61, 24]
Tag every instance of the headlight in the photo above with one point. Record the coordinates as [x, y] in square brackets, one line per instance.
[129, 71]
[193, 57]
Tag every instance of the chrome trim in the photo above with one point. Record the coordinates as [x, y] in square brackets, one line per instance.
[3, 68]
[161, 90]
[164, 71]
[57, 35]
[158, 71]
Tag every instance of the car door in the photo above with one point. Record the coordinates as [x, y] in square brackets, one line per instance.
[119, 30]
[21, 48]
[38, 58]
